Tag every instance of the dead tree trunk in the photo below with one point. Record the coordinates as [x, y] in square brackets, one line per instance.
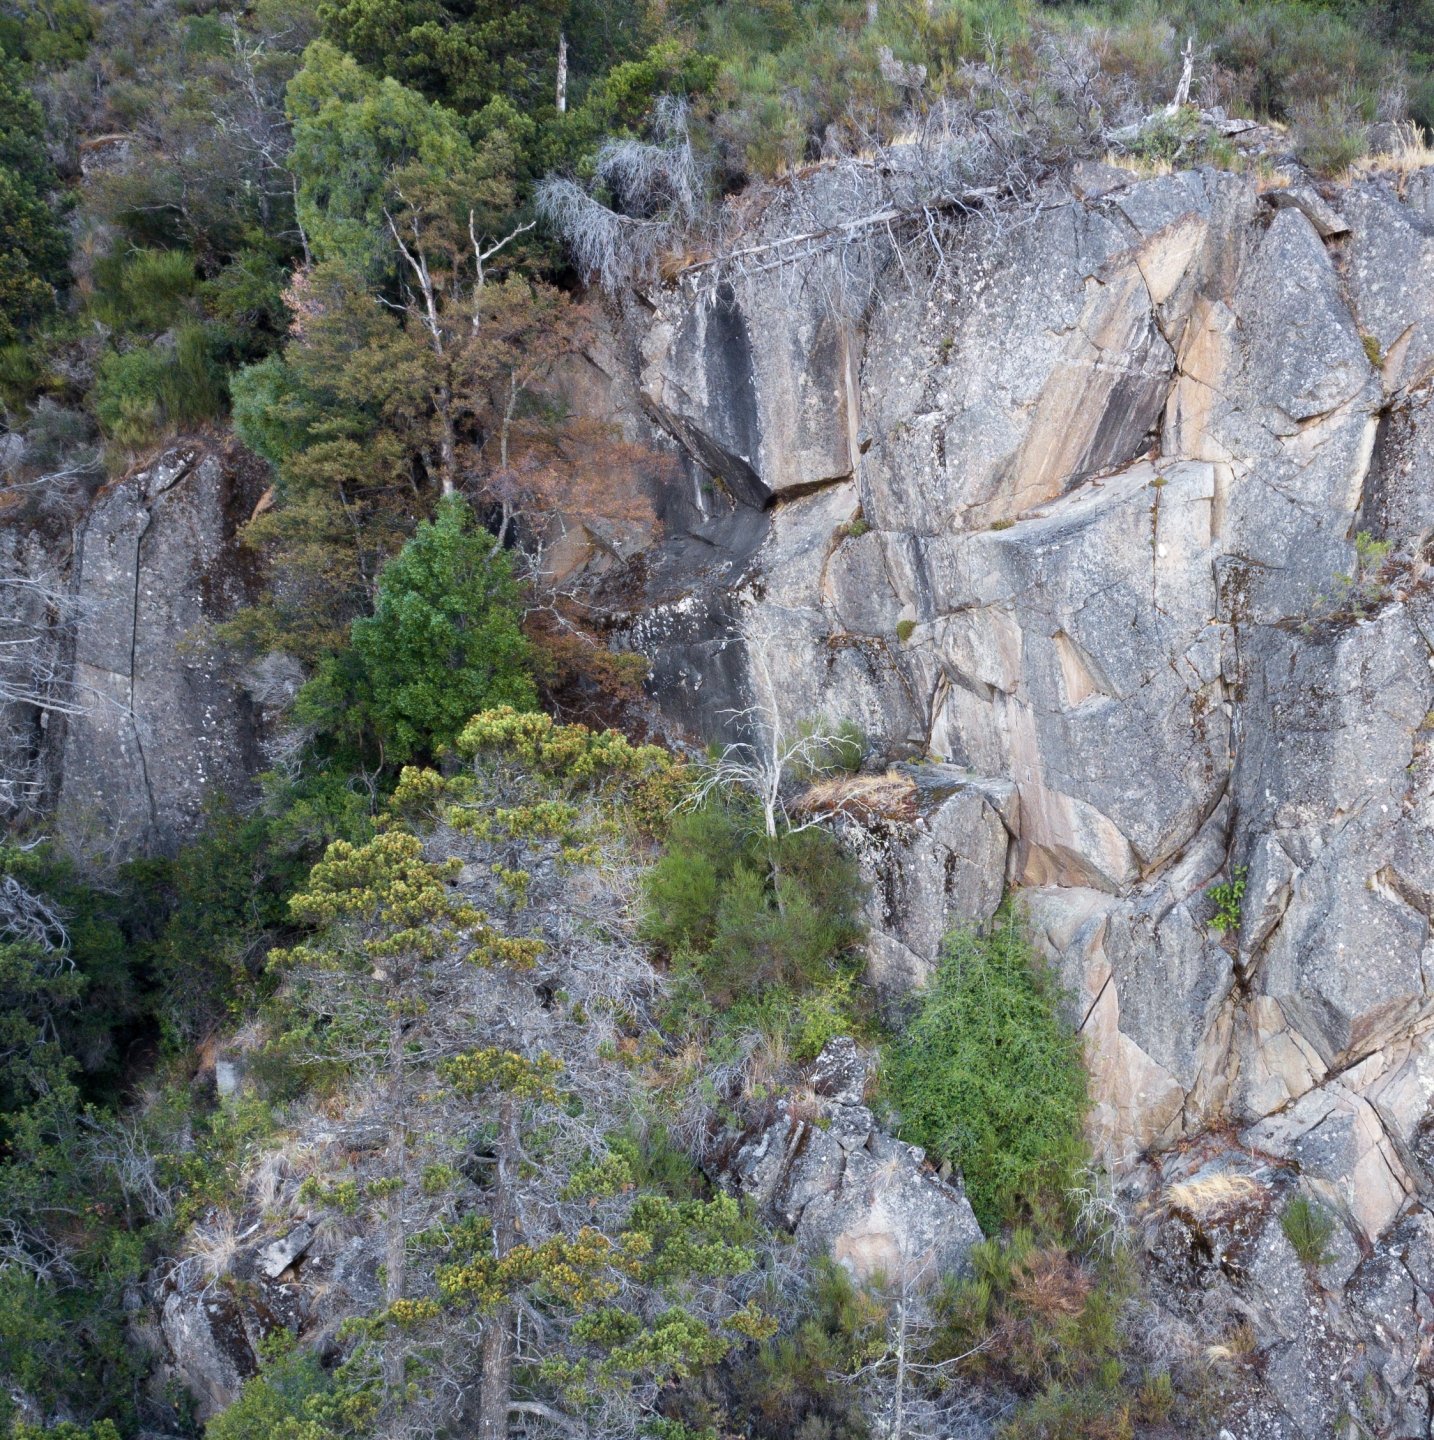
[495, 1395]
[396, 1247]
[562, 73]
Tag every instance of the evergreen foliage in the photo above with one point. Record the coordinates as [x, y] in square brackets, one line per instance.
[634, 1270]
[763, 928]
[1309, 1228]
[442, 644]
[33, 246]
[988, 1073]
[321, 218]
[295, 1398]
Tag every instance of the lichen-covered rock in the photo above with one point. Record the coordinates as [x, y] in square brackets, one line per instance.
[820, 1166]
[1076, 520]
[215, 1327]
[163, 727]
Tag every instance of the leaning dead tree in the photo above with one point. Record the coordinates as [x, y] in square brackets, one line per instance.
[985, 148]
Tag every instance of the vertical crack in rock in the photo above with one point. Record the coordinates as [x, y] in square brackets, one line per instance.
[148, 513]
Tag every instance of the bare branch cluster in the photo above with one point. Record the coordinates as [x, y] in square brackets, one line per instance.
[989, 143]
[657, 192]
[124, 1145]
[27, 916]
[779, 754]
[36, 682]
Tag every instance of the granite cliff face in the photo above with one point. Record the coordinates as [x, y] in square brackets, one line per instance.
[164, 726]
[1077, 525]
[1112, 536]
[1077, 521]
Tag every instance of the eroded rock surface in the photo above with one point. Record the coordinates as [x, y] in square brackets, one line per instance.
[1094, 563]
[818, 1164]
[163, 727]
[1112, 536]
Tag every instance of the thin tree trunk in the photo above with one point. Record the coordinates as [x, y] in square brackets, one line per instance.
[497, 1379]
[396, 1249]
[303, 234]
[900, 1370]
[562, 73]
[447, 448]
[508, 409]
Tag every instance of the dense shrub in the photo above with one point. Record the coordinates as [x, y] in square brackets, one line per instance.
[1329, 135]
[794, 1383]
[141, 394]
[988, 1074]
[33, 245]
[294, 1398]
[442, 644]
[743, 912]
[143, 291]
[166, 953]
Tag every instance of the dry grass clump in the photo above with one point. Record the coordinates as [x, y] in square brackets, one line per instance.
[1203, 1198]
[215, 1244]
[886, 797]
[1409, 153]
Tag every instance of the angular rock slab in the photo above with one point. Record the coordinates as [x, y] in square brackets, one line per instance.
[934, 862]
[215, 1332]
[1078, 658]
[826, 1172]
[164, 727]
[1047, 365]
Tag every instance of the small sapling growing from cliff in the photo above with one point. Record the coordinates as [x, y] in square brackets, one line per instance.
[1226, 899]
[1308, 1227]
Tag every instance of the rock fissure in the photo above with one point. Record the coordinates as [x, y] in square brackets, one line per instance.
[148, 519]
[1105, 698]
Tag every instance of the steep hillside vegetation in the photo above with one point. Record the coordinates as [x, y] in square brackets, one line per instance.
[411, 1027]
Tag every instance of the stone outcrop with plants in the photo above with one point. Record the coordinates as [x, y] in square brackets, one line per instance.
[1118, 521]
[716, 720]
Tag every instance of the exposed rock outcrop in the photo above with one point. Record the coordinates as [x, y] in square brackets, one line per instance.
[818, 1164]
[163, 726]
[1097, 558]
[1074, 521]
[215, 1326]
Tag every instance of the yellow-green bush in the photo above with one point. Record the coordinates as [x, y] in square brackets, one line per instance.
[988, 1073]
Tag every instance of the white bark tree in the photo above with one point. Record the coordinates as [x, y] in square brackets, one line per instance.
[780, 753]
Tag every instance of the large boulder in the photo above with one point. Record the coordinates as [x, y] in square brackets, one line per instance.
[215, 1326]
[819, 1165]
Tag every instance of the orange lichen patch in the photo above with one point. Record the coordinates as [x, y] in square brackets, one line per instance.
[885, 797]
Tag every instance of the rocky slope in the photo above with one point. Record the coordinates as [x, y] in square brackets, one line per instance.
[1072, 529]
[1081, 520]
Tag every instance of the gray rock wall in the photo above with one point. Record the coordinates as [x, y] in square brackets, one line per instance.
[1072, 530]
[164, 726]
[1093, 560]
[1094, 540]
